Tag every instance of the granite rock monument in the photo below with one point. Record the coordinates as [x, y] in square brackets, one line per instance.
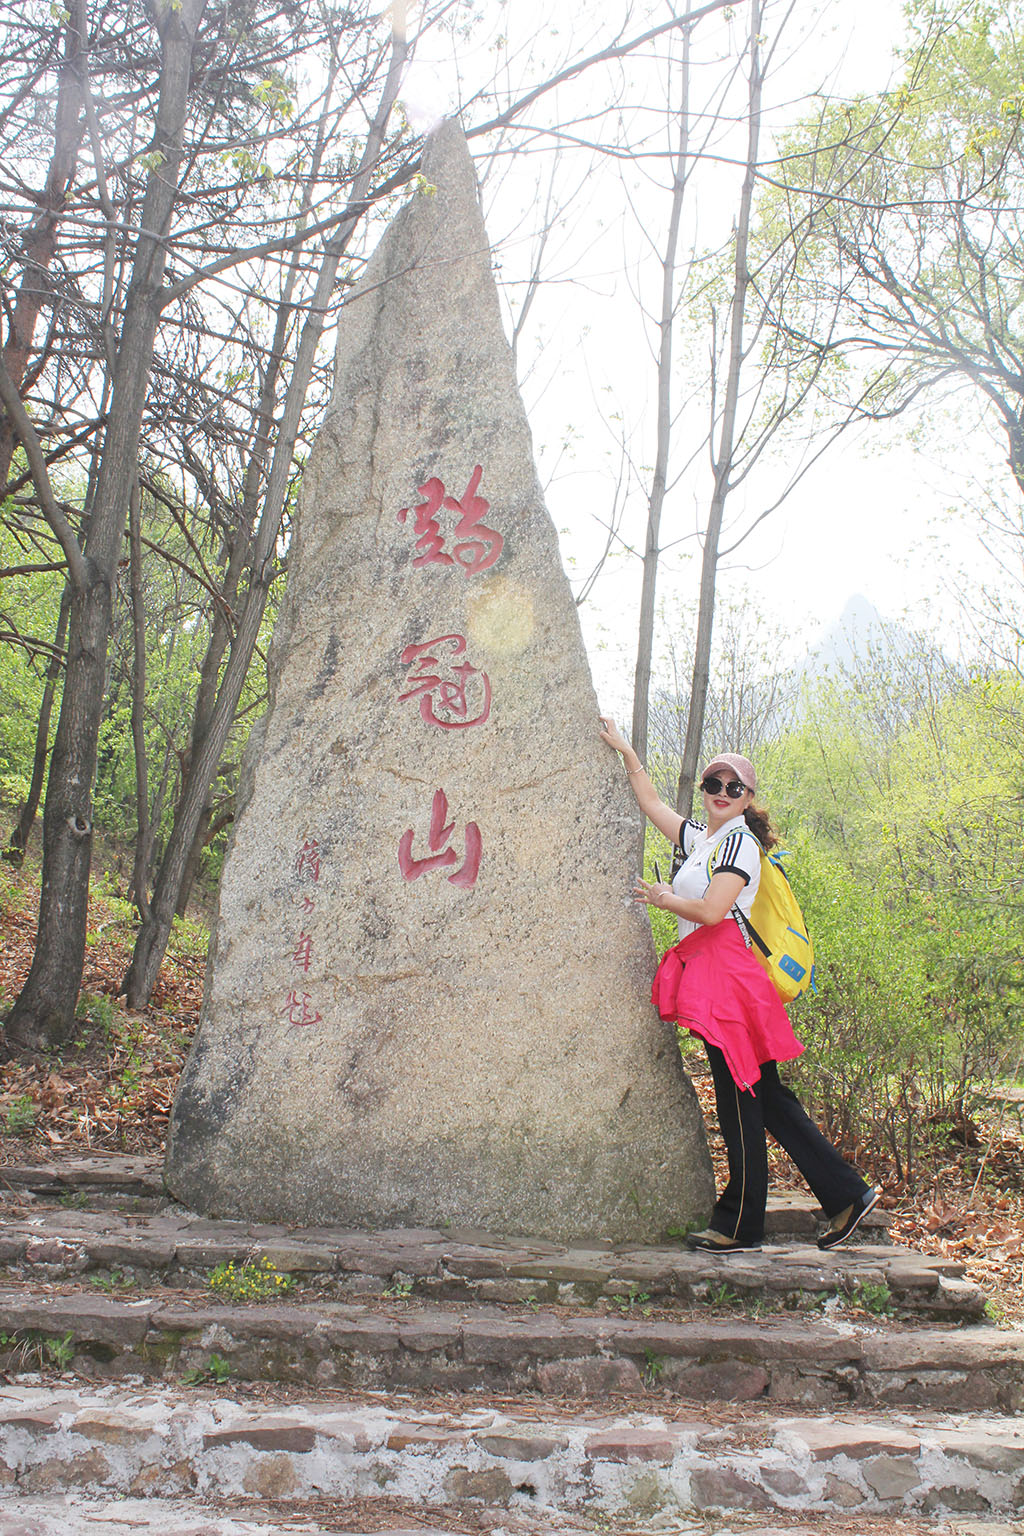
[428, 991]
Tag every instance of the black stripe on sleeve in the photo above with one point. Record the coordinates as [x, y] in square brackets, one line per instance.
[678, 850]
[726, 855]
[732, 869]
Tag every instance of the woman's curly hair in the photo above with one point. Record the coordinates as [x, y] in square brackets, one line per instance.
[760, 823]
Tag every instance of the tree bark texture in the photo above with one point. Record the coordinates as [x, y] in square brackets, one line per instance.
[27, 817]
[143, 828]
[43, 1015]
[192, 862]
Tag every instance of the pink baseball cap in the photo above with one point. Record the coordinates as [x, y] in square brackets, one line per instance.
[742, 767]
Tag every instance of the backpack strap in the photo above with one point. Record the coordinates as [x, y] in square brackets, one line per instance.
[746, 927]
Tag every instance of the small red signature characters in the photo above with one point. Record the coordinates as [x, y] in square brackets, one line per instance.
[307, 860]
[475, 547]
[298, 1005]
[303, 952]
[444, 701]
[300, 1010]
[440, 856]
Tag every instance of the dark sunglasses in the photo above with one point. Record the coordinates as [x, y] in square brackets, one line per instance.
[714, 786]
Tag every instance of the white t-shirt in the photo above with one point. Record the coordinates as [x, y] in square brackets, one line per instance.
[731, 850]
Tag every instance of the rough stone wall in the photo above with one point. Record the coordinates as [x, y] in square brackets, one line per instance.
[428, 995]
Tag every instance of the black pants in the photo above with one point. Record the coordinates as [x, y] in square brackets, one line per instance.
[745, 1118]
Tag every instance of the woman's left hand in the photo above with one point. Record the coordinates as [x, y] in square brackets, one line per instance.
[652, 894]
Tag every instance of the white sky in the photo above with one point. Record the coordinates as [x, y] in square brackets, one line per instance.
[867, 519]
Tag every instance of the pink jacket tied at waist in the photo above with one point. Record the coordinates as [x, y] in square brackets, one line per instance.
[710, 984]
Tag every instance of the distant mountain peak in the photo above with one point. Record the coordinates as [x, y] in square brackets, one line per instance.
[859, 628]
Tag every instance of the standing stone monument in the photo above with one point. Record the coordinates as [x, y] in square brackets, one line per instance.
[428, 993]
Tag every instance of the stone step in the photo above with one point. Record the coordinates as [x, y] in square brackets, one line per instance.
[131, 1183]
[120, 1176]
[41, 1242]
[409, 1345]
[690, 1466]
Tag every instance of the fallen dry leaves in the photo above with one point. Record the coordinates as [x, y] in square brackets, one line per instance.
[112, 1087]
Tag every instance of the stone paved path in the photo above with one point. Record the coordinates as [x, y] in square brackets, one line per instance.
[463, 1381]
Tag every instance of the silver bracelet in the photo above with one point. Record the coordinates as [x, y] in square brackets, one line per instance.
[638, 769]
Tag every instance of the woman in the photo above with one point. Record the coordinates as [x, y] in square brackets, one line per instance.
[711, 984]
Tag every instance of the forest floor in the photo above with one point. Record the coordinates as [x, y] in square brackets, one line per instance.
[111, 1088]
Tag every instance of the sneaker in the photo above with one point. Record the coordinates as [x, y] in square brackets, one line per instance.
[846, 1223]
[717, 1242]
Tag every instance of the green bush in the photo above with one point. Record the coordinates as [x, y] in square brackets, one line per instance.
[189, 939]
[910, 1019]
[99, 1011]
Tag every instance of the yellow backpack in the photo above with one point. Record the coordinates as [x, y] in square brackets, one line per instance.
[777, 929]
[779, 933]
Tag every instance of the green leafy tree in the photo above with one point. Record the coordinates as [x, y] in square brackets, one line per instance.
[896, 794]
[912, 275]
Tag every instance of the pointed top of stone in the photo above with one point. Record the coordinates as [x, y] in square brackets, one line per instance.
[428, 999]
[447, 162]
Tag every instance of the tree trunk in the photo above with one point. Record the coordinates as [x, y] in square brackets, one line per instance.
[27, 818]
[239, 556]
[208, 828]
[143, 825]
[727, 439]
[44, 1013]
[40, 242]
[195, 854]
[151, 943]
[656, 501]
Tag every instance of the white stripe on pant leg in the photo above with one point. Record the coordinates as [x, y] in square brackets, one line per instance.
[743, 1153]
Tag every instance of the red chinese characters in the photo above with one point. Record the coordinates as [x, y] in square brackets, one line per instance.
[299, 1007]
[453, 694]
[300, 1010]
[307, 860]
[445, 702]
[475, 547]
[440, 856]
[303, 952]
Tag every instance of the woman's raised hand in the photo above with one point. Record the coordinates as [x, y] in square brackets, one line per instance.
[611, 734]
